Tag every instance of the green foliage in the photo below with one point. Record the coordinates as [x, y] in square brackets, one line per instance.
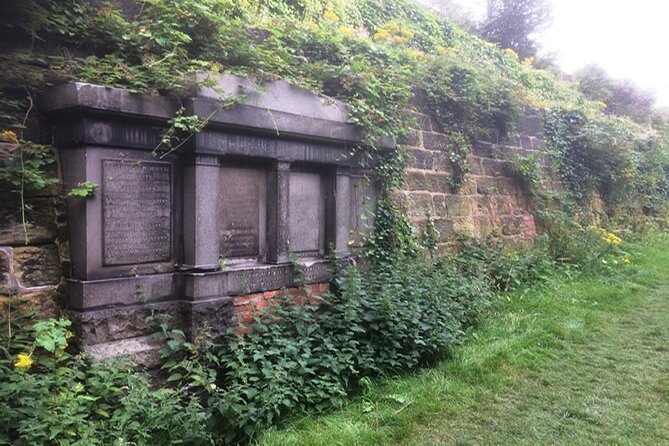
[55, 397]
[528, 169]
[506, 269]
[610, 157]
[457, 157]
[84, 189]
[29, 167]
[308, 354]
[393, 237]
[430, 236]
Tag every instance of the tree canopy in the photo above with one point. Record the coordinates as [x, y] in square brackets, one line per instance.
[622, 97]
[513, 23]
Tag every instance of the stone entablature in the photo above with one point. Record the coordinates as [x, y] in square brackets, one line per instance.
[267, 181]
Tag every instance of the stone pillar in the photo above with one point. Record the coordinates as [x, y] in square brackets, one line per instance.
[277, 212]
[342, 211]
[201, 188]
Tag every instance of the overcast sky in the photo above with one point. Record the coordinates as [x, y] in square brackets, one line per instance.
[630, 39]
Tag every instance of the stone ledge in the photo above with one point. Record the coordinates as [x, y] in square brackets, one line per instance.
[275, 95]
[102, 293]
[276, 108]
[81, 95]
[248, 280]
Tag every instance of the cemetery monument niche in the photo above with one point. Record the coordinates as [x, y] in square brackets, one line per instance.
[182, 233]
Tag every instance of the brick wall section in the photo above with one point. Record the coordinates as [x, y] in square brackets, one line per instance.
[31, 272]
[490, 203]
[245, 307]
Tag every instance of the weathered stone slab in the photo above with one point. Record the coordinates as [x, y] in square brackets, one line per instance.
[114, 324]
[137, 212]
[41, 303]
[274, 95]
[37, 266]
[317, 272]
[123, 291]
[435, 141]
[422, 159]
[7, 285]
[79, 95]
[420, 204]
[243, 211]
[204, 286]
[306, 214]
[141, 351]
[40, 221]
[213, 314]
[363, 206]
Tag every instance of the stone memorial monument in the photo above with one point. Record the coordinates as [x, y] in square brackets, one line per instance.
[182, 233]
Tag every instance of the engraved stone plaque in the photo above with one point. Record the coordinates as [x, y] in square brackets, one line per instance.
[254, 280]
[243, 192]
[306, 213]
[136, 212]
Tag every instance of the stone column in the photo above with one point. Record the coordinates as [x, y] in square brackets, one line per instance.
[342, 211]
[277, 212]
[201, 189]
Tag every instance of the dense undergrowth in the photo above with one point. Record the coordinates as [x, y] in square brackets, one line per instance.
[300, 355]
[407, 311]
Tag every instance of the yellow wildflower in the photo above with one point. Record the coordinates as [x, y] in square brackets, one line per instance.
[330, 16]
[24, 361]
[346, 31]
[445, 51]
[626, 261]
[9, 136]
[511, 53]
[415, 54]
[609, 237]
[382, 34]
[393, 32]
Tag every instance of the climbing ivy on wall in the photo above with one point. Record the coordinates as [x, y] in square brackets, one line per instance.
[372, 54]
[612, 158]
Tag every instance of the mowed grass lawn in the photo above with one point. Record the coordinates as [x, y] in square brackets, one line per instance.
[572, 362]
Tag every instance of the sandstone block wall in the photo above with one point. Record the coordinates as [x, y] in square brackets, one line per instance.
[491, 202]
[31, 256]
